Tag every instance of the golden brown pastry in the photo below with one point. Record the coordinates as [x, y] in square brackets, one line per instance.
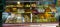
[14, 9]
[20, 5]
[48, 10]
[33, 5]
[27, 5]
[47, 15]
[53, 10]
[41, 15]
[26, 18]
[7, 10]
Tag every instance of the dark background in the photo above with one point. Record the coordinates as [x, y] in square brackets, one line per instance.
[2, 3]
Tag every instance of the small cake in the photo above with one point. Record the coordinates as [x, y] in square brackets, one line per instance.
[33, 5]
[26, 18]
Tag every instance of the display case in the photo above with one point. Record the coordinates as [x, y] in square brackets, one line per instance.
[30, 11]
[37, 9]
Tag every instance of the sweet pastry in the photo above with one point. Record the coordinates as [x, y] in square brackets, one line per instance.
[27, 19]
[48, 10]
[27, 5]
[47, 15]
[27, 11]
[33, 5]
[41, 16]
[14, 9]
[20, 19]
[20, 5]
[21, 11]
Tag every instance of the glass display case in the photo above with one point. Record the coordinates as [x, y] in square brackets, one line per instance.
[30, 11]
[37, 10]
